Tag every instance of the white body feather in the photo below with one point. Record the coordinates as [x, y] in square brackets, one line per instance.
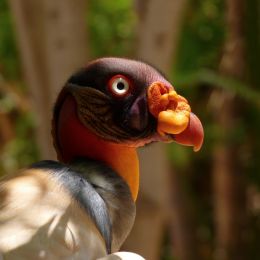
[39, 220]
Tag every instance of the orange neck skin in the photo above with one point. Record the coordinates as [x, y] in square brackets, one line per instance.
[75, 140]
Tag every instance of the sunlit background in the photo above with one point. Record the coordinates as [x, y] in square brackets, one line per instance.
[203, 205]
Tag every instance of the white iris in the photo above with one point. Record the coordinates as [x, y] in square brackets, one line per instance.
[120, 86]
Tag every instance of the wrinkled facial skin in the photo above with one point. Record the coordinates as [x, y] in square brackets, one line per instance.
[118, 119]
[150, 110]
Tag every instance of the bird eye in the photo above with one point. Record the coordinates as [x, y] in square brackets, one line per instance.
[119, 85]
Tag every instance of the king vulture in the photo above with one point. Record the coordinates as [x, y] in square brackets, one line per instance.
[83, 205]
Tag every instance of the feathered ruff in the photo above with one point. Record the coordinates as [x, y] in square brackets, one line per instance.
[45, 214]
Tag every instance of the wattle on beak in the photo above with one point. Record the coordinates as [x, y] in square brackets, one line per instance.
[174, 116]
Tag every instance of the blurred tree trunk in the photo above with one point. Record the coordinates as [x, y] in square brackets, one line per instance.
[228, 179]
[6, 130]
[52, 42]
[158, 30]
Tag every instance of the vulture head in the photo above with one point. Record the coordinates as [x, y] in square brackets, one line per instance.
[113, 105]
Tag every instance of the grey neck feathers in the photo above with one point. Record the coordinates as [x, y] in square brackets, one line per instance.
[115, 193]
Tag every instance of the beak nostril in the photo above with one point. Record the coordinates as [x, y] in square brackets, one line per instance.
[138, 114]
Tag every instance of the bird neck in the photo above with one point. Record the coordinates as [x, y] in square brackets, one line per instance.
[75, 140]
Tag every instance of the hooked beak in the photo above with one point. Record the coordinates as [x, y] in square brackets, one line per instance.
[174, 116]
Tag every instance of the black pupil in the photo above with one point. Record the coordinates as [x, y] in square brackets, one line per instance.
[120, 85]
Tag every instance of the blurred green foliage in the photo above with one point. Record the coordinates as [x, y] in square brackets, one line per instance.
[198, 56]
[111, 27]
[202, 35]
[9, 61]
